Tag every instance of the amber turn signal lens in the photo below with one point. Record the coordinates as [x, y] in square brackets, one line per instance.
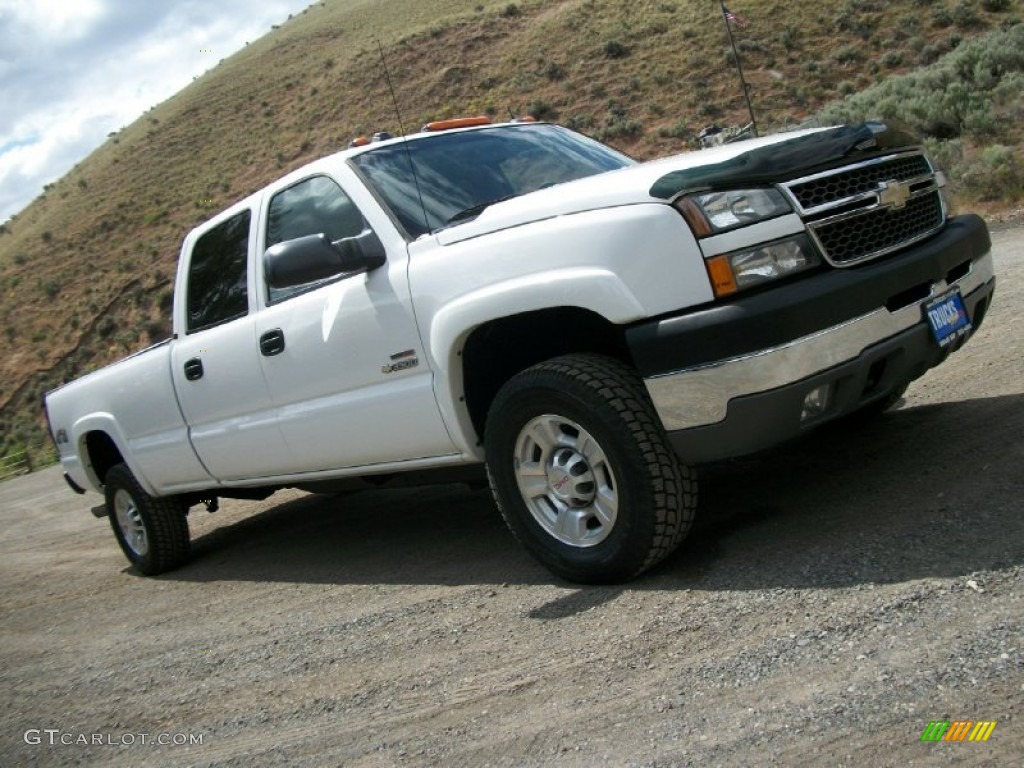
[694, 216]
[723, 282]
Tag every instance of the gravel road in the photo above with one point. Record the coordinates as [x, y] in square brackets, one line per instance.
[838, 595]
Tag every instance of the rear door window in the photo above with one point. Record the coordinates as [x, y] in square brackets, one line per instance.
[217, 274]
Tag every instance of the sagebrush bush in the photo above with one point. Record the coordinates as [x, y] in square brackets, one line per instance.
[942, 18]
[618, 124]
[973, 96]
[965, 17]
[541, 109]
[848, 54]
[963, 90]
[892, 59]
[613, 49]
[996, 174]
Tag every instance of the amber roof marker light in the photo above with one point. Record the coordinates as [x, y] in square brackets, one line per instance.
[456, 122]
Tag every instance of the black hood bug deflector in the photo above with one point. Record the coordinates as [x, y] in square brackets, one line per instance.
[790, 159]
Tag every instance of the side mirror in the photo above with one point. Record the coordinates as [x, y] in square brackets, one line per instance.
[314, 257]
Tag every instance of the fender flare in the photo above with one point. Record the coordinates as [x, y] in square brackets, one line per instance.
[593, 289]
[106, 423]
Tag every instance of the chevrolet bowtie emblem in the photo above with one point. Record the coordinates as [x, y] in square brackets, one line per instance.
[894, 193]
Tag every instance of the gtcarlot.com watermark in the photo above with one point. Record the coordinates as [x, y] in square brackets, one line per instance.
[54, 737]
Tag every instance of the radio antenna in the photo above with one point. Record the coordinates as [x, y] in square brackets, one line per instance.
[405, 140]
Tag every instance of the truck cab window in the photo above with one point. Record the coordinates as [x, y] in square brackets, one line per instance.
[217, 290]
[314, 206]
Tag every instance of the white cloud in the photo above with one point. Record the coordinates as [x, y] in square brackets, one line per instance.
[53, 19]
[72, 71]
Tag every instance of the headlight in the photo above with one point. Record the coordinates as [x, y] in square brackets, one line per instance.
[709, 213]
[751, 267]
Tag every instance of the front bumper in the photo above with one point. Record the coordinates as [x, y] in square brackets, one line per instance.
[745, 401]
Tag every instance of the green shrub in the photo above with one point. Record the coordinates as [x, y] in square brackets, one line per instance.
[613, 49]
[995, 6]
[892, 59]
[932, 53]
[617, 124]
[581, 122]
[848, 54]
[678, 131]
[997, 174]
[709, 109]
[541, 109]
[553, 71]
[975, 92]
[942, 18]
[965, 17]
[980, 76]
[789, 38]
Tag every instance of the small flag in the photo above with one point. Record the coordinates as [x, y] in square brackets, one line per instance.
[734, 18]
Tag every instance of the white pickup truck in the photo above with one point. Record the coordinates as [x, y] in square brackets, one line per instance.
[521, 296]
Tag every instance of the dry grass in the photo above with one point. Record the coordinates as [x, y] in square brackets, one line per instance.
[85, 269]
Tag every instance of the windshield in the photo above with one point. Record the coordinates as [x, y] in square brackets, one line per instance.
[459, 174]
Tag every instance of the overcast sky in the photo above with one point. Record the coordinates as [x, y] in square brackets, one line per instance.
[72, 71]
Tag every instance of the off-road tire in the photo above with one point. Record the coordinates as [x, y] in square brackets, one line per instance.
[152, 532]
[655, 494]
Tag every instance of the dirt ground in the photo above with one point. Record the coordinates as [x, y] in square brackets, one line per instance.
[839, 595]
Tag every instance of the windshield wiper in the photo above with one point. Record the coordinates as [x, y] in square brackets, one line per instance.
[476, 210]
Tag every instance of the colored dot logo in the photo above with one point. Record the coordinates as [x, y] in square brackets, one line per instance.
[206, 50]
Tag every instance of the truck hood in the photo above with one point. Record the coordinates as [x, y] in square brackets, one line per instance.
[769, 159]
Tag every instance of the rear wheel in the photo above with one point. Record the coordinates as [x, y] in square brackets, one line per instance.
[152, 531]
[582, 470]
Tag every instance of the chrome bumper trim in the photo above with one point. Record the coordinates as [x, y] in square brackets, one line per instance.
[698, 396]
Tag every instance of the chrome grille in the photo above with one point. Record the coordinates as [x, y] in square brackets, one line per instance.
[864, 211]
[823, 190]
[879, 231]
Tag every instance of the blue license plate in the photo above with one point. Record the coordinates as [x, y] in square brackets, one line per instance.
[947, 317]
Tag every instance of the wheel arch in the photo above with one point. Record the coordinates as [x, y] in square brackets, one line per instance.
[498, 349]
[100, 452]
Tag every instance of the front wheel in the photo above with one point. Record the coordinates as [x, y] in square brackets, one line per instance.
[152, 531]
[582, 470]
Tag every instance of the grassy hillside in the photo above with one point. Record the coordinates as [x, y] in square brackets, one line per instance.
[86, 269]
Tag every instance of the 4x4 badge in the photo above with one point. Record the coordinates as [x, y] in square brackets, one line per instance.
[894, 193]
